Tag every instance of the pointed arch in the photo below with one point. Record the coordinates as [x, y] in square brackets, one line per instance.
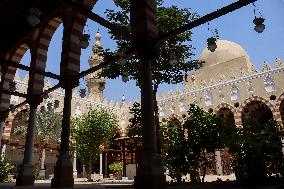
[278, 112]
[175, 117]
[224, 105]
[238, 117]
[10, 119]
[9, 73]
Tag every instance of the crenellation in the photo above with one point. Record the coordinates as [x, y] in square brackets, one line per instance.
[266, 66]
[278, 63]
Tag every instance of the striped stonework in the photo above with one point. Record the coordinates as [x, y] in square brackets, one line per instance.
[226, 106]
[175, 116]
[8, 77]
[39, 56]
[9, 121]
[71, 50]
[278, 108]
[239, 112]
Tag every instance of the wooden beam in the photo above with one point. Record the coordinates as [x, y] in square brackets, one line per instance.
[103, 22]
[105, 63]
[41, 94]
[4, 62]
[13, 93]
[209, 17]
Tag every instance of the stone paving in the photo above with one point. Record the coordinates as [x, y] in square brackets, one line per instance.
[45, 184]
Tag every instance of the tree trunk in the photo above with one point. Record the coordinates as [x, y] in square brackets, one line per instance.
[204, 165]
[90, 169]
[38, 162]
[156, 111]
[194, 176]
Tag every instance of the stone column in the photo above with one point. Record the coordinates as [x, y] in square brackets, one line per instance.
[63, 170]
[3, 151]
[218, 161]
[101, 163]
[42, 170]
[75, 165]
[84, 174]
[42, 160]
[2, 125]
[25, 175]
[144, 29]
[106, 166]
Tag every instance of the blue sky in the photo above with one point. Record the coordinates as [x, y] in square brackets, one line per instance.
[236, 26]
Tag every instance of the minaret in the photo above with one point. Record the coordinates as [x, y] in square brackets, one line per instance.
[95, 84]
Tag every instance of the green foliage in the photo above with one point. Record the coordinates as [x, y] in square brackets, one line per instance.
[5, 169]
[39, 178]
[134, 128]
[258, 149]
[92, 129]
[174, 149]
[168, 18]
[116, 166]
[48, 126]
[48, 129]
[203, 130]
[203, 137]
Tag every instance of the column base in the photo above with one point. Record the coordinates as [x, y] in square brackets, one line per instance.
[149, 173]
[63, 173]
[42, 173]
[150, 182]
[25, 175]
[75, 174]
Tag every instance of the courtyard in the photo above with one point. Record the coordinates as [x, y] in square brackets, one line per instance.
[148, 94]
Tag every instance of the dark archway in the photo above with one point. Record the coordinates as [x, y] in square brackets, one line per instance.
[281, 109]
[228, 120]
[261, 147]
[257, 111]
[227, 114]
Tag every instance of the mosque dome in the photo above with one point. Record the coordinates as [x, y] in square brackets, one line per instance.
[226, 51]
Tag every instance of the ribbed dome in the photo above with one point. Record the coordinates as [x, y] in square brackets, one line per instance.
[226, 51]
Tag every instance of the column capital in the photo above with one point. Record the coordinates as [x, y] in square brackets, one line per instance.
[34, 100]
[68, 82]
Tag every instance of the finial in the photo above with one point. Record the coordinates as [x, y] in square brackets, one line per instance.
[98, 37]
[123, 98]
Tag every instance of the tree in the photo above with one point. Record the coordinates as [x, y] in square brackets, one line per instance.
[258, 150]
[6, 168]
[47, 130]
[117, 168]
[203, 136]
[174, 149]
[174, 54]
[134, 127]
[92, 129]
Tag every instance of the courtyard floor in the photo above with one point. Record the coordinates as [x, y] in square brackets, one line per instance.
[91, 185]
[82, 184]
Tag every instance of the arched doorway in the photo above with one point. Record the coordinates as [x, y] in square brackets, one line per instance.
[16, 144]
[260, 142]
[228, 116]
[227, 159]
[281, 109]
[257, 111]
